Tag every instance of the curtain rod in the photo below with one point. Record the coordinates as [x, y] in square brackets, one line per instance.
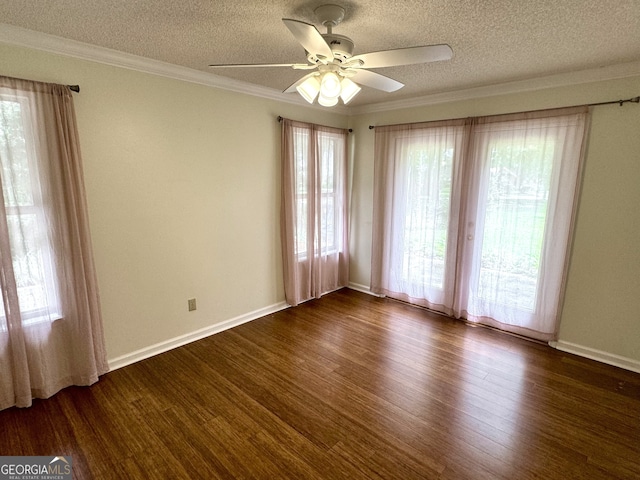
[74, 88]
[619, 102]
[350, 130]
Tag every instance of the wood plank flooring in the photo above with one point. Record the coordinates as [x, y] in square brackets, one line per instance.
[346, 387]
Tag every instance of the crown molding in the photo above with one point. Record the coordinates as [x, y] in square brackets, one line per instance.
[22, 37]
[612, 72]
[10, 34]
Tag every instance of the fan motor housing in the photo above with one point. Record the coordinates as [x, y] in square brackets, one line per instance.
[341, 46]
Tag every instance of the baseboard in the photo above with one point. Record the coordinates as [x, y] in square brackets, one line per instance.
[362, 288]
[598, 355]
[150, 351]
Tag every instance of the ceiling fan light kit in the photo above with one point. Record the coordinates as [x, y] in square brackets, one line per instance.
[330, 87]
[332, 56]
[309, 89]
[349, 90]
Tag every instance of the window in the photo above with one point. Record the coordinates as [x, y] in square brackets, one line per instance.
[326, 239]
[25, 220]
[473, 218]
[301, 142]
[330, 196]
[314, 220]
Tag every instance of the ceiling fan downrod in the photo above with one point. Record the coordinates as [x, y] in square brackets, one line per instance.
[329, 16]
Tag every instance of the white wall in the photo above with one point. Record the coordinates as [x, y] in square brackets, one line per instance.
[601, 315]
[183, 191]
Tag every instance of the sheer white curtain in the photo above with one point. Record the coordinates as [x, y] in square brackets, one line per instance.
[50, 324]
[510, 215]
[314, 210]
[418, 182]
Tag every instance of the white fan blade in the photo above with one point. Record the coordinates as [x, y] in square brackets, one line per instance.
[310, 38]
[292, 87]
[404, 56]
[295, 66]
[375, 80]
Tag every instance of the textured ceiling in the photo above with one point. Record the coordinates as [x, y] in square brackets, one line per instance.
[494, 41]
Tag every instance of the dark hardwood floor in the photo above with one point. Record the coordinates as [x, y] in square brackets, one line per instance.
[346, 387]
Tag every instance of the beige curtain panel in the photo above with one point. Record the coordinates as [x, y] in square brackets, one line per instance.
[313, 210]
[51, 333]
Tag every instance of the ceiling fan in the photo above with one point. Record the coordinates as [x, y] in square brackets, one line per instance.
[334, 67]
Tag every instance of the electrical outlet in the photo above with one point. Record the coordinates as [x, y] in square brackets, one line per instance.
[192, 304]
